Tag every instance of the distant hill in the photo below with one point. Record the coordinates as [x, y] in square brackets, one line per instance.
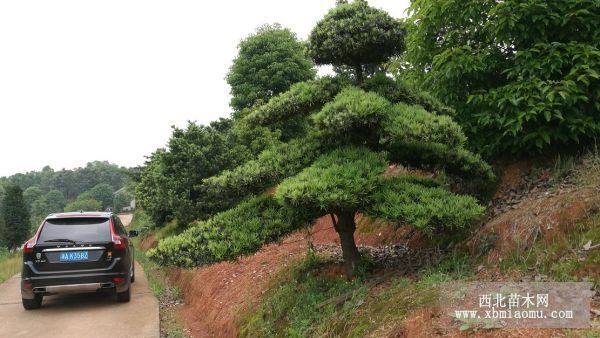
[97, 186]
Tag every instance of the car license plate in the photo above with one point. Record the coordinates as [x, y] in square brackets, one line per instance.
[74, 256]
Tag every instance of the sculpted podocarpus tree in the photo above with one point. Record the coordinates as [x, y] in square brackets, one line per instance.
[355, 36]
[353, 131]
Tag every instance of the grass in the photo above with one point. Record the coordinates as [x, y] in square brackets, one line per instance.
[563, 166]
[10, 264]
[308, 300]
[305, 300]
[291, 306]
[564, 258]
[158, 281]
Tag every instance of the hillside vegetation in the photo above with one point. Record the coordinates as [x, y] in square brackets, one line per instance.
[297, 287]
[411, 141]
[309, 299]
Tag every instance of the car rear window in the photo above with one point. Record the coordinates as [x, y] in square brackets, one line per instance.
[76, 229]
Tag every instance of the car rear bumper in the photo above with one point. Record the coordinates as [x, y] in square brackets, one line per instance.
[69, 288]
[47, 283]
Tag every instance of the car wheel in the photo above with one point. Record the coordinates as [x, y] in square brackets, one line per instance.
[125, 296]
[35, 303]
[132, 274]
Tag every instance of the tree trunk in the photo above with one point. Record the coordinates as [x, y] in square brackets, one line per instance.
[359, 74]
[345, 227]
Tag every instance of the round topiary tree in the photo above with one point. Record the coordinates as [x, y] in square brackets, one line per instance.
[268, 63]
[355, 35]
[337, 167]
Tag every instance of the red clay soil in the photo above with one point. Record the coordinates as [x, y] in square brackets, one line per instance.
[214, 295]
[537, 217]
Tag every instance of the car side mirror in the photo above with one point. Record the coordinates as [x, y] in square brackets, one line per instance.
[133, 233]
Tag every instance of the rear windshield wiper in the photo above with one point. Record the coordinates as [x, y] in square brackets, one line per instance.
[63, 240]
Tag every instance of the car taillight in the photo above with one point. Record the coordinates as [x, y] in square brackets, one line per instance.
[118, 280]
[28, 247]
[119, 243]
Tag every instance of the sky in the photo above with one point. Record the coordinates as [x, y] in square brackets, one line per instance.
[105, 80]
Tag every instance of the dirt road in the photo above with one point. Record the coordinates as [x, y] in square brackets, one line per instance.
[82, 315]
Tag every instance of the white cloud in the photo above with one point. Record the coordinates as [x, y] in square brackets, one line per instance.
[105, 80]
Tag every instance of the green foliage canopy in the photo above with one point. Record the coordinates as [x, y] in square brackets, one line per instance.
[230, 234]
[356, 34]
[85, 204]
[301, 99]
[31, 194]
[102, 193]
[523, 75]
[71, 182]
[15, 225]
[152, 190]
[343, 179]
[336, 166]
[56, 200]
[170, 186]
[268, 63]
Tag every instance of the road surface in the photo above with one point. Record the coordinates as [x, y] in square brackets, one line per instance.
[82, 315]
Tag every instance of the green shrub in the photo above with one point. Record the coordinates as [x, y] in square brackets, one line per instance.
[522, 75]
[397, 91]
[152, 190]
[254, 176]
[351, 111]
[425, 206]
[301, 99]
[340, 180]
[268, 62]
[356, 35]
[238, 231]
[413, 124]
[538, 109]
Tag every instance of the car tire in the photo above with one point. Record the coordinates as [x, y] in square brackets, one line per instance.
[31, 304]
[133, 274]
[125, 296]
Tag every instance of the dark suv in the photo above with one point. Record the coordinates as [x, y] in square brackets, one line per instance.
[77, 252]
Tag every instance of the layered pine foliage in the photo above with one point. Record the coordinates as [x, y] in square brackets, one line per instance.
[336, 137]
[337, 165]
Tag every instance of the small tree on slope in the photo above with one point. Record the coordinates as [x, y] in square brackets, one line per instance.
[268, 62]
[15, 216]
[337, 167]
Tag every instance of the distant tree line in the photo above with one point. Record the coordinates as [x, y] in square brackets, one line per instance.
[26, 199]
